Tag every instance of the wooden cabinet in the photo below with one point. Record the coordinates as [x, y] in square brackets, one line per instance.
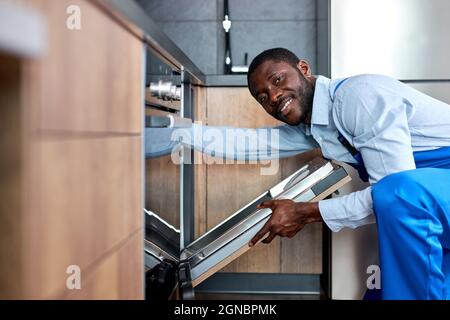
[86, 82]
[71, 132]
[83, 197]
[110, 277]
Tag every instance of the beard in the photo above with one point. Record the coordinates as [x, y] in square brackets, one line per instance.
[305, 94]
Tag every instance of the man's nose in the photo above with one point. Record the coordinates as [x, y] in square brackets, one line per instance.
[274, 96]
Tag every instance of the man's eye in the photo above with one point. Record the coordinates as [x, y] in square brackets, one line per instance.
[277, 80]
[262, 99]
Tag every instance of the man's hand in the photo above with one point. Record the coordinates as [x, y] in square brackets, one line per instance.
[288, 218]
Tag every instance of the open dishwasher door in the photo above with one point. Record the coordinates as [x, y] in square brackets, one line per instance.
[229, 239]
[162, 256]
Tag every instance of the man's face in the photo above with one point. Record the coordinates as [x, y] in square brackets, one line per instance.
[284, 91]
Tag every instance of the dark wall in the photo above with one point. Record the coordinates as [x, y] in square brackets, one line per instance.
[196, 27]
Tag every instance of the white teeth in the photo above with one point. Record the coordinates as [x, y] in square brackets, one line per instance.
[285, 105]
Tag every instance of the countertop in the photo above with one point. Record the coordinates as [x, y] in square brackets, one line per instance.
[232, 80]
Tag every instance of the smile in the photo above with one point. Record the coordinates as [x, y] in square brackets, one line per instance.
[286, 104]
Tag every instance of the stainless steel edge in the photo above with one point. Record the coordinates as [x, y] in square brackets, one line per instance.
[157, 252]
[153, 35]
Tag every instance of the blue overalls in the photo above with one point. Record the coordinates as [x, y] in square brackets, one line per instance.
[412, 210]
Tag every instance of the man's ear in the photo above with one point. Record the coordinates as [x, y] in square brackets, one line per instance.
[304, 67]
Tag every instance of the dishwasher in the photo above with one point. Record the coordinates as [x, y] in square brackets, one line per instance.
[174, 273]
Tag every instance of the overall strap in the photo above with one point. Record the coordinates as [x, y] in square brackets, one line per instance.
[351, 149]
[437, 158]
[338, 85]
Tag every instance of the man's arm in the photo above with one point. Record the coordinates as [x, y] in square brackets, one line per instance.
[158, 142]
[230, 143]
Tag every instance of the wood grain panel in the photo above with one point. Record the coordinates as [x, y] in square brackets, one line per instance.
[10, 177]
[71, 132]
[90, 78]
[162, 191]
[120, 275]
[236, 107]
[83, 196]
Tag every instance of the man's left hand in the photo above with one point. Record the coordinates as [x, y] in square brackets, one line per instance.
[288, 218]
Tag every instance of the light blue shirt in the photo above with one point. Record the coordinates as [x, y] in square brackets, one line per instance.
[384, 119]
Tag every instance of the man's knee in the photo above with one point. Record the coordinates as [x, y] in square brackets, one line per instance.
[390, 191]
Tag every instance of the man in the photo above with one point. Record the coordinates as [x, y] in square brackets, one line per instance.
[387, 128]
[397, 138]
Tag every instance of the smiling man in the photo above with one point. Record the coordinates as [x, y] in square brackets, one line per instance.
[292, 104]
[397, 138]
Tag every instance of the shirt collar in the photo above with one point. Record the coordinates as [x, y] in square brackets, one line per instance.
[321, 102]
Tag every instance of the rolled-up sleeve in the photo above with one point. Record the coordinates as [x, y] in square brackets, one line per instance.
[375, 121]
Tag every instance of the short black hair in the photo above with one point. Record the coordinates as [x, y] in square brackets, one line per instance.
[274, 54]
